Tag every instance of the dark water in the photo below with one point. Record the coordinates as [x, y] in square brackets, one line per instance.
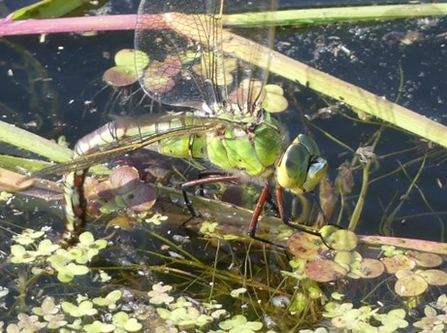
[57, 89]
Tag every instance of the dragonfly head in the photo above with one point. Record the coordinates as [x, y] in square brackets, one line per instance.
[301, 168]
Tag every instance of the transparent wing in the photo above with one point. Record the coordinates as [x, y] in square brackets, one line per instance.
[188, 63]
[119, 148]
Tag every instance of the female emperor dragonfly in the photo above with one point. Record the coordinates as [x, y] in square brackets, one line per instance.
[188, 60]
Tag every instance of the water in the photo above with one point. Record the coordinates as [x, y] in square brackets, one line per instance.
[372, 55]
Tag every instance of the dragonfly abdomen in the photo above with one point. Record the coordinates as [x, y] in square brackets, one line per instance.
[191, 146]
[177, 146]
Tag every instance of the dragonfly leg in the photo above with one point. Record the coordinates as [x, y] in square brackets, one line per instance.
[286, 221]
[203, 181]
[265, 193]
[218, 176]
[206, 174]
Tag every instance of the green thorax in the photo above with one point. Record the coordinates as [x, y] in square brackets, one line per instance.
[237, 144]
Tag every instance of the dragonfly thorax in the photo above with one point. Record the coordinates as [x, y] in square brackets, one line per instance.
[244, 146]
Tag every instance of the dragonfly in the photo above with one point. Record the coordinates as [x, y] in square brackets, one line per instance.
[184, 58]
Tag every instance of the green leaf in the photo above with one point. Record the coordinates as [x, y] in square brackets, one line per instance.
[99, 327]
[47, 9]
[132, 325]
[109, 300]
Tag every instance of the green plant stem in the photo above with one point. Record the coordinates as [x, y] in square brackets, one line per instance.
[317, 16]
[21, 138]
[365, 183]
[31, 142]
[361, 200]
[388, 220]
[359, 99]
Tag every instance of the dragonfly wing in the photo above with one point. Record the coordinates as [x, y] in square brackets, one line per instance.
[183, 125]
[188, 63]
[119, 148]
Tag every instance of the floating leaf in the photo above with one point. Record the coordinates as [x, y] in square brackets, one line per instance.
[181, 302]
[22, 255]
[403, 272]
[389, 250]
[434, 277]
[274, 88]
[55, 321]
[333, 309]
[120, 76]
[141, 198]
[347, 257]
[28, 236]
[274, 101]
[48, 307]
[328, 230]
[156, 219]
[304, 245]
[236, 292]
[158, 294]
[159, 85]
[393, 320]
[337, 296]
[46, 9]
[46, 247]
[355, 319]
[240, 324]
[67, 273]
[29, 323]
[185, 318]
[158, 78]
[110, 300]
[124, 179]
[132, 325]
[99, 327]
[141, 60]
[122, 320]
[126, 57]
[324, 270]
[125, 71]
[410, 285]
[368, 268]
[342, 240]
[397, 262]
[85, 308]
[424, 259]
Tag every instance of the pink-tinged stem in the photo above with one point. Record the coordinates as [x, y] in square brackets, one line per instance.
[74, 24]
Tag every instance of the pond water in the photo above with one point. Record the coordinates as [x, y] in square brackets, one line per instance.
[57, 89]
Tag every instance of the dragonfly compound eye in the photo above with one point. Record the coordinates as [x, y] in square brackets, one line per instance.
[317, 170]
[301, 168]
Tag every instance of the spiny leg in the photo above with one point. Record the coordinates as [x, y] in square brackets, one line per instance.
[205, 174]
[265, 193]
[200, 182]
[209, 174]
[286, 221]
[263, 198]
